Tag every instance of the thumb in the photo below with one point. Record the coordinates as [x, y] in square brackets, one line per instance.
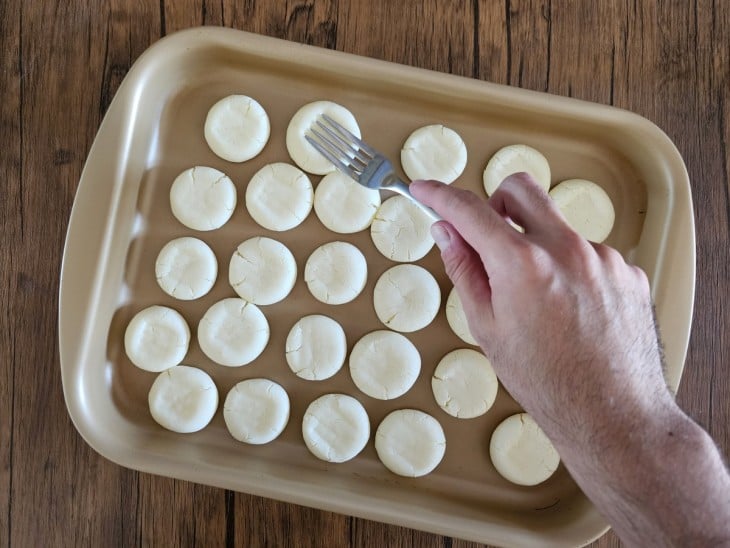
[466, 271]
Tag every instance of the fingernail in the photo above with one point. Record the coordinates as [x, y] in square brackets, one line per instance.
[441, 236]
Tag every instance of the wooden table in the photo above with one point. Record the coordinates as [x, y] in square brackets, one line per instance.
[61, 65]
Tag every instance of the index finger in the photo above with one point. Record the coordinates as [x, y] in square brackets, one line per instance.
[477, 222]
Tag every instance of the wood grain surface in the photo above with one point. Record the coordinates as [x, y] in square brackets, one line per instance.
[61, 63]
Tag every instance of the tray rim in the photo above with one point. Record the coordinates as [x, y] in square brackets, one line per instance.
[201, 37]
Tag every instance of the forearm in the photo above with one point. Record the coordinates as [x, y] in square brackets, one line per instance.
[659, 481]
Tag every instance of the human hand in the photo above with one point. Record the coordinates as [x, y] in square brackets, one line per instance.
[567, 324]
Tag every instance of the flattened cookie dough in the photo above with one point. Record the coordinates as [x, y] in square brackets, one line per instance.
[384, 365]
[335, 427]
[336, 273]
[464, 384]
[515, 159]
[457, 318]
[434, 152]
[343, 205]
[316, 347]
[406, 298]
[521, 452]
[401, 231]
[233, 332]
[202, 198]
[279, 196]
[157, 338]
[183, 399]
[186, 268]
[410, 443]
[256, 411]
[587, 208]
[304, 154]
[237, 128]
[262, 271]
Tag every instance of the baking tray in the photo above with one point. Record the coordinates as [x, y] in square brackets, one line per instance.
[121, 218]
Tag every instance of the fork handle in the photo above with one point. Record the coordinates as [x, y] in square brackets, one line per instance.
[400, 187]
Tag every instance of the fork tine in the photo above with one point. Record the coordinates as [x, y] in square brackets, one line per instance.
[341, 149]
[346, 146]
[338, 163]
[349, 135]
[343, 153]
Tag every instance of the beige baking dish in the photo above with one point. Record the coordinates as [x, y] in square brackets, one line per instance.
[121, 218]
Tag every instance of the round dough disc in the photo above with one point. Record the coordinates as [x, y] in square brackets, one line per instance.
[183, 399]
[262, 271]
[434, 152]
[384, 365]
[401, 231]
[464, 384]
[304, 154]
[406, 298]
[256, 411]
[335, 427]
[186, 268]
[157, 338]
[521, 452]
[237, 128]
[233, 332]
[279, 196]
[336, 273]
[410, 443]
[457, 318]
[316, 347]
[343, 205]
[515, 159]
[586, 207]
[202, 198]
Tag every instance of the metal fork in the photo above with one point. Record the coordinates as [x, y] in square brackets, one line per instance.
[358, 160]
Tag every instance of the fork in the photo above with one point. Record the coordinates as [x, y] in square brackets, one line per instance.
[358, 160]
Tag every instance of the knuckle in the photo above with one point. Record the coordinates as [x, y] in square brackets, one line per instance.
[458, 264]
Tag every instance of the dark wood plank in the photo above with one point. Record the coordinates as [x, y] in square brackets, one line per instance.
[433, 34]
[63, 493]
[11, 227]
[697, 80]
[180, 513]
[264, 522]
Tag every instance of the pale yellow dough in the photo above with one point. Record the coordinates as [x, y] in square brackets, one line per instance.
[401, 231]
[457, 318]
[464, 384]
[336, 273]
[262, 271]
[279, 196]
[202, 198]
[316, 347]
[304, 154]
[233, 332]
[183, 399]
[256, 411]
[434, 152]
[186, 268]
[237, 128]
[157, 338]
[384, 365]
[406, 298]
[343, 205]
[587, 208]
[335, 427]
[521, 452]
[515, 159]
[410, 443]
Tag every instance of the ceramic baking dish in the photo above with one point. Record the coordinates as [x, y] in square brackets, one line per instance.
[121, 218]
